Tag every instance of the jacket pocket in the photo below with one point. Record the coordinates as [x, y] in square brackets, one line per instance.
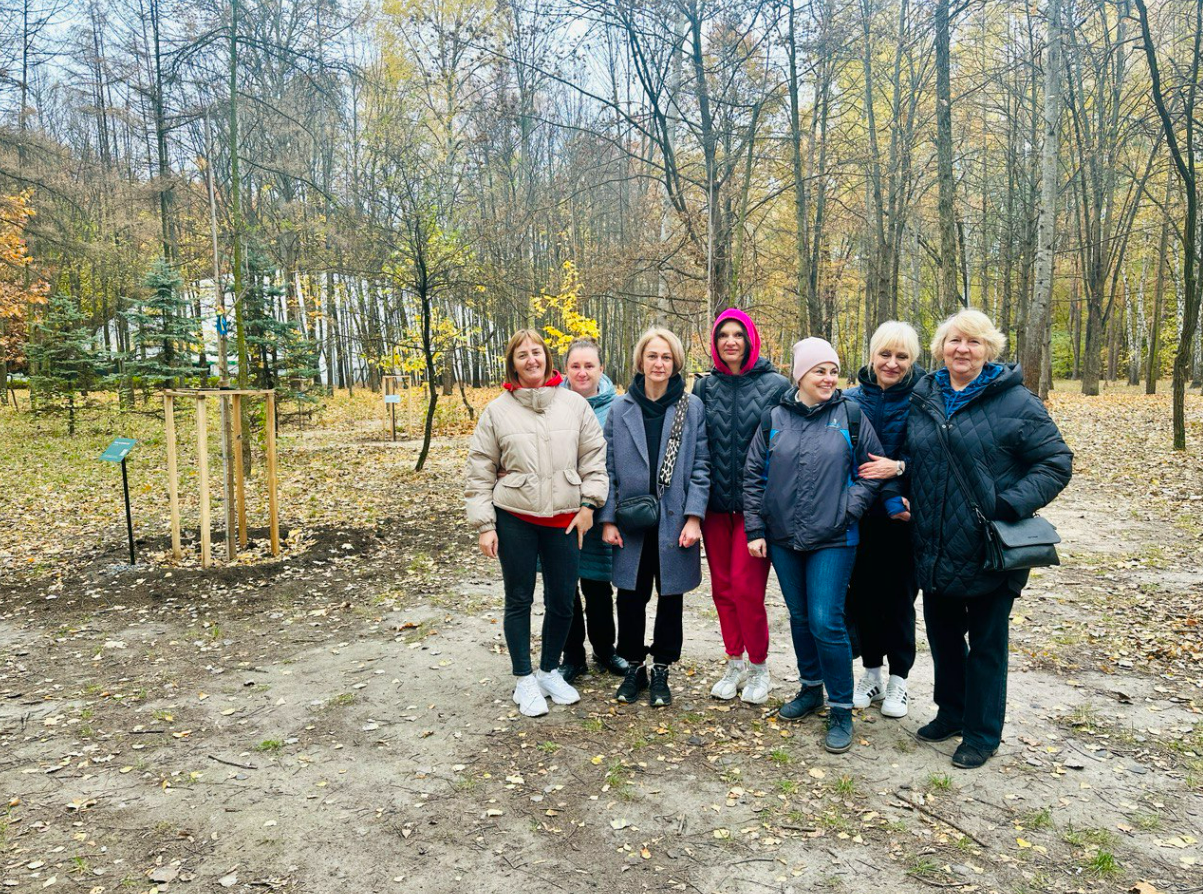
[573, 477]
[517, 492]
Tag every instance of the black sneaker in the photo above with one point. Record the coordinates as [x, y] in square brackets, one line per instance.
[969, 757]
[615, 664]
[808, 700]
[570, 671]
[633, 683]
[938, 730]
[658, 694]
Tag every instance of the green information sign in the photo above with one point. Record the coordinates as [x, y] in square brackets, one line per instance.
[118, 450]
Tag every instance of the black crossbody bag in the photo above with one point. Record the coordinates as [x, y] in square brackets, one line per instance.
[636, 514]
[1010, 546]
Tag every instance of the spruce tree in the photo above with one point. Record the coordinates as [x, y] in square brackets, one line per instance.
[67, 362]
[281, 357]
[162, 333]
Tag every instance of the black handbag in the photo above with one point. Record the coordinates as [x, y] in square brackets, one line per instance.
[1010, 546]
[639, 513]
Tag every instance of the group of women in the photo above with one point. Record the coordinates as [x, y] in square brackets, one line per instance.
[850, 496]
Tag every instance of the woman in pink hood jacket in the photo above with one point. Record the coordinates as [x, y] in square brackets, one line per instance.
[740, 388]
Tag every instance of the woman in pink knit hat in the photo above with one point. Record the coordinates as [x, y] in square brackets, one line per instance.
[740, 388]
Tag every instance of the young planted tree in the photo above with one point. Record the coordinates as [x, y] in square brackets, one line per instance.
[68, 365]
[163, 334]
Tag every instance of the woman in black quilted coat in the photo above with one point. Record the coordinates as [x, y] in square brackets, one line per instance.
[742, 386]
[1012, 454]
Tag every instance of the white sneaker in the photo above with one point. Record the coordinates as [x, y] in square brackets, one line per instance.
[556, 688]
[868, 689]
[732, 681]
[759, 685]
[895, 698]
[528, 698]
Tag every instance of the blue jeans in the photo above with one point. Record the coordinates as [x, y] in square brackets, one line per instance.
[814, 585]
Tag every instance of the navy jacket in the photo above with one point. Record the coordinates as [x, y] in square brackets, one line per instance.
[1013, 456]
[888, 411]
[734, 405]
[800, 484]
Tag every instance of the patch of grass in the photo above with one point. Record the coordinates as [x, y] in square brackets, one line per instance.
[837, 821]
[341, 700]
[780, 756]
[787, 786]
[965, 844]
[939, 782]
[1147, 822]
[548, 747]
[1099, 838]
[1037, 819]
[268, 746]
[616, 774]
[593, 725]
[1102, 863]
[904, 744]
[1085, 718]
[87, 713]
[86, 732]
[922, 866]
[845, 785]
[693, 718]
[163, 716]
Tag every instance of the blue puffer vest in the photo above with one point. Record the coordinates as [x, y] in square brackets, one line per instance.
[597, 558]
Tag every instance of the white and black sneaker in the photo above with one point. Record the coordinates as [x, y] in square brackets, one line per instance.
[894, 703]
[868, 689]
[528, 697]
[555, 687]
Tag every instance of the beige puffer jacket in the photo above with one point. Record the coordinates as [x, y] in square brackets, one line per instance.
[553, 452]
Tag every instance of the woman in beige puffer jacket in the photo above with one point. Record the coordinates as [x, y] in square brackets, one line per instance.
[536, 472]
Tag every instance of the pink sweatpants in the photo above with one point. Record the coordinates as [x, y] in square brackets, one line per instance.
[737, 581]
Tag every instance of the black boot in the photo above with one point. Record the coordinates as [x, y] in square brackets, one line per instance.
[633, 683]
[615, 664]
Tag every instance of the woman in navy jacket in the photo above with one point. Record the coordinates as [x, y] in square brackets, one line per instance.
[881, 596]
[1012, 455]
[802, 501]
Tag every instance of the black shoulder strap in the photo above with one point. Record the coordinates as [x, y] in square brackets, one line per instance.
[854, 415]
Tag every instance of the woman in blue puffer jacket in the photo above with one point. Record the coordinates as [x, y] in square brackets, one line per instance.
[881, 596]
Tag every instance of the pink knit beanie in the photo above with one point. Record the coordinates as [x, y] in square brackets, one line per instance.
[809, 353]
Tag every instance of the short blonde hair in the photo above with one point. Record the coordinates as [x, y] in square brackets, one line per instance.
[897, 336]
[974, 324]
[674, 346]
[511, 371]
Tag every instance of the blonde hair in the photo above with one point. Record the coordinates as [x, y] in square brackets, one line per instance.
[971, 323]
[511, 371]
[674, 346]
[898, 337]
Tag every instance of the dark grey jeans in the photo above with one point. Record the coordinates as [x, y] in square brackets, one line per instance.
[520, 545]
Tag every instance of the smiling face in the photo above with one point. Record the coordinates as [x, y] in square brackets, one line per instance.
[657, 361]
[818, 383]
[891, 365]
[584, 371]
[530, 362]
[732, 344]
[964, 355]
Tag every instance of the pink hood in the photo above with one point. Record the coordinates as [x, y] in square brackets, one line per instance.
[744, 320]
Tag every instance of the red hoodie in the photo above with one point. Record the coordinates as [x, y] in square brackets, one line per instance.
[734, 313]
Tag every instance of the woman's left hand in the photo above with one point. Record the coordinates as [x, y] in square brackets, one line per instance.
[692, 532]
[879, 467]
[581, 523]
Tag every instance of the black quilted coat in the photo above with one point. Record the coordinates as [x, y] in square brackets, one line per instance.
[1011, 453]
[734, 405]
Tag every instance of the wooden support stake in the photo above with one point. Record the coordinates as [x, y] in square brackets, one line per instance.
[239, 477]
[202, 467]
[173, 483]
[228, 459]
[269, 428]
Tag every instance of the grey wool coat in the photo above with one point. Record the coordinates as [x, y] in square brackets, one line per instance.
[688, 494]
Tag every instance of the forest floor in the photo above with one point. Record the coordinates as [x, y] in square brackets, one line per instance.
[340, 718]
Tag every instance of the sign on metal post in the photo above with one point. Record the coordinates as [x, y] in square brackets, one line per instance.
[116, 453]
[118, 450]
[392, 398]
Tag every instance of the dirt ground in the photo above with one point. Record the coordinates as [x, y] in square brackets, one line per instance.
[340, 720]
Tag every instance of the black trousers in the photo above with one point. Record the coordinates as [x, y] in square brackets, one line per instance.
[668, 633]
[598, 617]
[881, 595]
[971, 677]
[520, 545]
